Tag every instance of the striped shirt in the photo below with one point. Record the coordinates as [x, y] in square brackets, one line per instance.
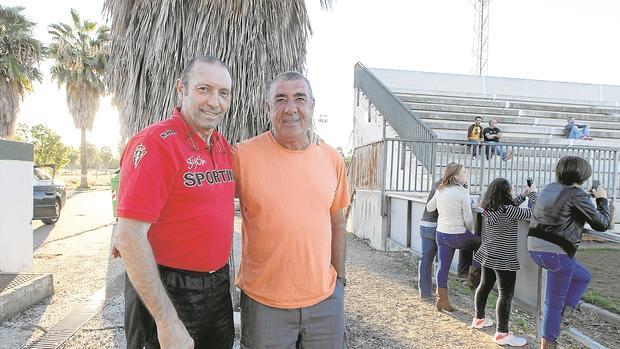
[499, 241]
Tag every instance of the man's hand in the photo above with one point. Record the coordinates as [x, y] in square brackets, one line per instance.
[174, 336]
[142, 271]
[115, 253]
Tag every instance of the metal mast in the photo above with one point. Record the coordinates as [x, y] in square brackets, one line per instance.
[480, 48]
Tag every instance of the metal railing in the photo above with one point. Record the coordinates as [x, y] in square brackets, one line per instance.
[394, 111]
[366, 171]
[413, 165]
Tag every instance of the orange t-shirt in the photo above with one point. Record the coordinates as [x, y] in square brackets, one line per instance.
[286, 199]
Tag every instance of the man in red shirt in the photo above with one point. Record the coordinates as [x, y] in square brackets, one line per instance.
[175, 210]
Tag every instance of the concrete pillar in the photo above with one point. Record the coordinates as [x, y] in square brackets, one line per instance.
[16, 206]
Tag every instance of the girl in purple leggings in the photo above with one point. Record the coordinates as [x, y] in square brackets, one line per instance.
[454, 225]
[561, 210]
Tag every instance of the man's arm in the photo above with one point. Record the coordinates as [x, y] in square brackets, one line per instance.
[338, 242]
[133, 244]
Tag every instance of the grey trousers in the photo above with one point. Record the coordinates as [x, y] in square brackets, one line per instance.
[319, 326]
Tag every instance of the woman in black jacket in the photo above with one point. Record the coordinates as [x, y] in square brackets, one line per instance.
[559, 215]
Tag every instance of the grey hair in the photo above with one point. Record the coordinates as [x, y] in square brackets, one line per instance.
[289, 76]
[294, 76]
[184, 77]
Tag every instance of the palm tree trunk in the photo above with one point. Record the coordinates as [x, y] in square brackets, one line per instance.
[83, 162]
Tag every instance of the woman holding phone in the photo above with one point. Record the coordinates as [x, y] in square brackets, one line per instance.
[556, 226]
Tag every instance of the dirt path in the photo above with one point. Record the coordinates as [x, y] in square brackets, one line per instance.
[383, 309]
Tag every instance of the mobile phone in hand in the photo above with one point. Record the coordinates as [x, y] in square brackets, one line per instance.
[530, 182]
[595, 184]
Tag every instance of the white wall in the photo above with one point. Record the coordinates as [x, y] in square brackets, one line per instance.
[15, 216]
[367, 127]
[440, 83]
[365, 219]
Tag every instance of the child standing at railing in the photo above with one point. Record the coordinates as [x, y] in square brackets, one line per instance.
[498, 255]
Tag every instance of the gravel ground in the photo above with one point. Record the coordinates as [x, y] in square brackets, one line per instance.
[383, 309]
[382, 306]
[79, 266]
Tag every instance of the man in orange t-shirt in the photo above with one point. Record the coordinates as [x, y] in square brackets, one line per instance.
[292, 189]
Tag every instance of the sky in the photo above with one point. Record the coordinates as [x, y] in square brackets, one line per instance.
[561, 40]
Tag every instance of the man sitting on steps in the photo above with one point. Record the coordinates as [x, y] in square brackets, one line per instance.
[474, 136]
[574, 131]
[493, 134]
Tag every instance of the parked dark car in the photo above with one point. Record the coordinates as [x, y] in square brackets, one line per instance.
[49, 194]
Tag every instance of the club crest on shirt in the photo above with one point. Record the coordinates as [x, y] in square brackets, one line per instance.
[138, 154]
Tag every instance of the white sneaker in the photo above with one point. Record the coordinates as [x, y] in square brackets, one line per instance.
[480, 323]
[509, 339]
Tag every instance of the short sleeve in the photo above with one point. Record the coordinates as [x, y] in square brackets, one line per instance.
[341, 196]
[236, 170]
[148, 172]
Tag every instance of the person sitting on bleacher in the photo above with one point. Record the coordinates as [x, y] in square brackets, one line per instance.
[574, 131]
[493, 134]
[474, 135]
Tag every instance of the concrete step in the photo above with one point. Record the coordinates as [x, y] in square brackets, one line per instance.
[503, 120]
[563, 108]
[20, 291]
[462, 109]
[486, 113]
[523, 138]
[508, 103]
[474, 102]
[437, 125]
[564, 116]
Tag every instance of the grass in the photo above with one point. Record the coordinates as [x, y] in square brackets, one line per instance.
[598, 299]
[96, 179]
[602, 263]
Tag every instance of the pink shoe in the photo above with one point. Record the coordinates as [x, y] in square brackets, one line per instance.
[509, 339]
[481, 323]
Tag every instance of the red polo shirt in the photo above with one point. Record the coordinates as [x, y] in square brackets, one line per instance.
[172, 179]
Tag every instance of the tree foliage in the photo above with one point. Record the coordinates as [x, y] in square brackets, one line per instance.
[48, 145]
[151, 41]
[80, 52]
[105, 154]
[20, 55]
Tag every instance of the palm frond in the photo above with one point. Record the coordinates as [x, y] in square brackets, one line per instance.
[80, 54]
[151, 41]
[20, 55]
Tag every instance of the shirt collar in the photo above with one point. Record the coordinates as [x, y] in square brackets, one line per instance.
[192, 136]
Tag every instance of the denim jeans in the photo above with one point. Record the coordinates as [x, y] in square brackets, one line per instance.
[447, 244]
[567, 280]
[500, 150]
[577, 133]
[425, 268]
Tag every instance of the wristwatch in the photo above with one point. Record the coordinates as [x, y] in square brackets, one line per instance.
[343, 280]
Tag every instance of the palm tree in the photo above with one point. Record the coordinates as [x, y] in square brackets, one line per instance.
[20, 55]
[81, 54]
[151, 41]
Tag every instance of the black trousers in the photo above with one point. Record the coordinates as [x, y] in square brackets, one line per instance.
[202, 301]
[506, 286]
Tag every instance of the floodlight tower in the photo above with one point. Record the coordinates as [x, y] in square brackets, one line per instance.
[480, 48]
